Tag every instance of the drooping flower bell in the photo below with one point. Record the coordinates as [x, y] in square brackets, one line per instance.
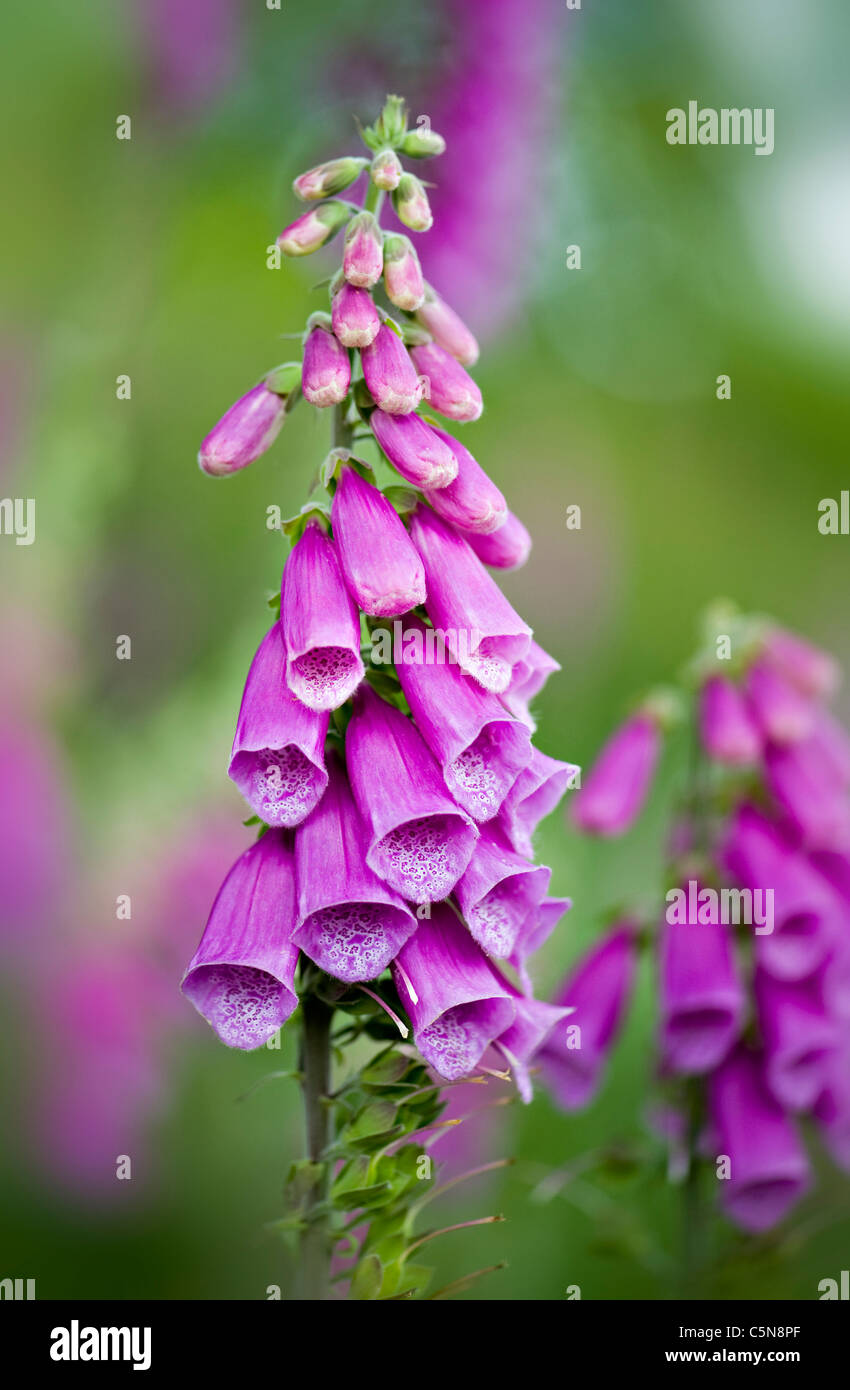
[320, 624]
[479, 746]
[454, 998]
[499, 891]
[613, 793]
[506, 548]
[482, 631]
[278, 760]
[241, 978]
[768, 1169]
[348, 920]
[729, 732]
[329, 178]
[471, 502]
[597, 991]
[420, 840]
[701, 998]
[410, 204]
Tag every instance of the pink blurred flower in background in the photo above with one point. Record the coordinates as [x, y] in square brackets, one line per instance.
[494, 102]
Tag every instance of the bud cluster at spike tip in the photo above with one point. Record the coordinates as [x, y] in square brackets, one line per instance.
[752, 947]
[399, 791]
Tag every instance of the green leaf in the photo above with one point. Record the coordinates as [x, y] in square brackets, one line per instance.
[367, 1279]
[375, 1124]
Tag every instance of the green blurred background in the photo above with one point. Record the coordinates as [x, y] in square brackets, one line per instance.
[147, 257]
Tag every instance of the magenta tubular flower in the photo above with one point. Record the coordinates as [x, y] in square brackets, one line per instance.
[506, 548]
[454, 999]
[320, 623]
[811, 670]
[312, 229]
[832, 1110]
[527, 680]
[420, 841]
[326, 374]
[535, 931]
[349, 922]
[354, 318]
[614, 792]
[479, 747]
[390, 374]
[244, 432]
[278, 760]
[414, 449]
[499, 891]
[363, 258]
[481, 630]
[804, 910]
[729, 733]
[241, 978]
[783, 714]
[534, 795]
[402, 273]
[447, 329]
[520, 1043]
[702, 1002]
[472, 502]
[383, 572]
[451, 389]
[598, 991]
[832, 744]
[329, 178]
[805, 788]
[769, 1169]
[800, 1041]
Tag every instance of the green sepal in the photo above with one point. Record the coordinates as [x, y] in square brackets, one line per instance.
[329, 469]
[404, 499]
[295, 526]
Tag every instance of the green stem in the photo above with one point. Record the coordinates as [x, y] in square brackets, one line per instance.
[315, 1246]
[342, 434]
[692, 1206]
[373, 200]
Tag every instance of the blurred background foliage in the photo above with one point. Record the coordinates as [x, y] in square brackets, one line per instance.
[148, 257]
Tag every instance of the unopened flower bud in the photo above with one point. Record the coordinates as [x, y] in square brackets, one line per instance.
[451, 389]
[363, 260]
[326, 374]
[411, 205]
[355, 319]
[312, 229]
[402, 273]
[250, 426]
[447, 328]
[330, 178]
[390, 374]
[421, 143]
[386, 170]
